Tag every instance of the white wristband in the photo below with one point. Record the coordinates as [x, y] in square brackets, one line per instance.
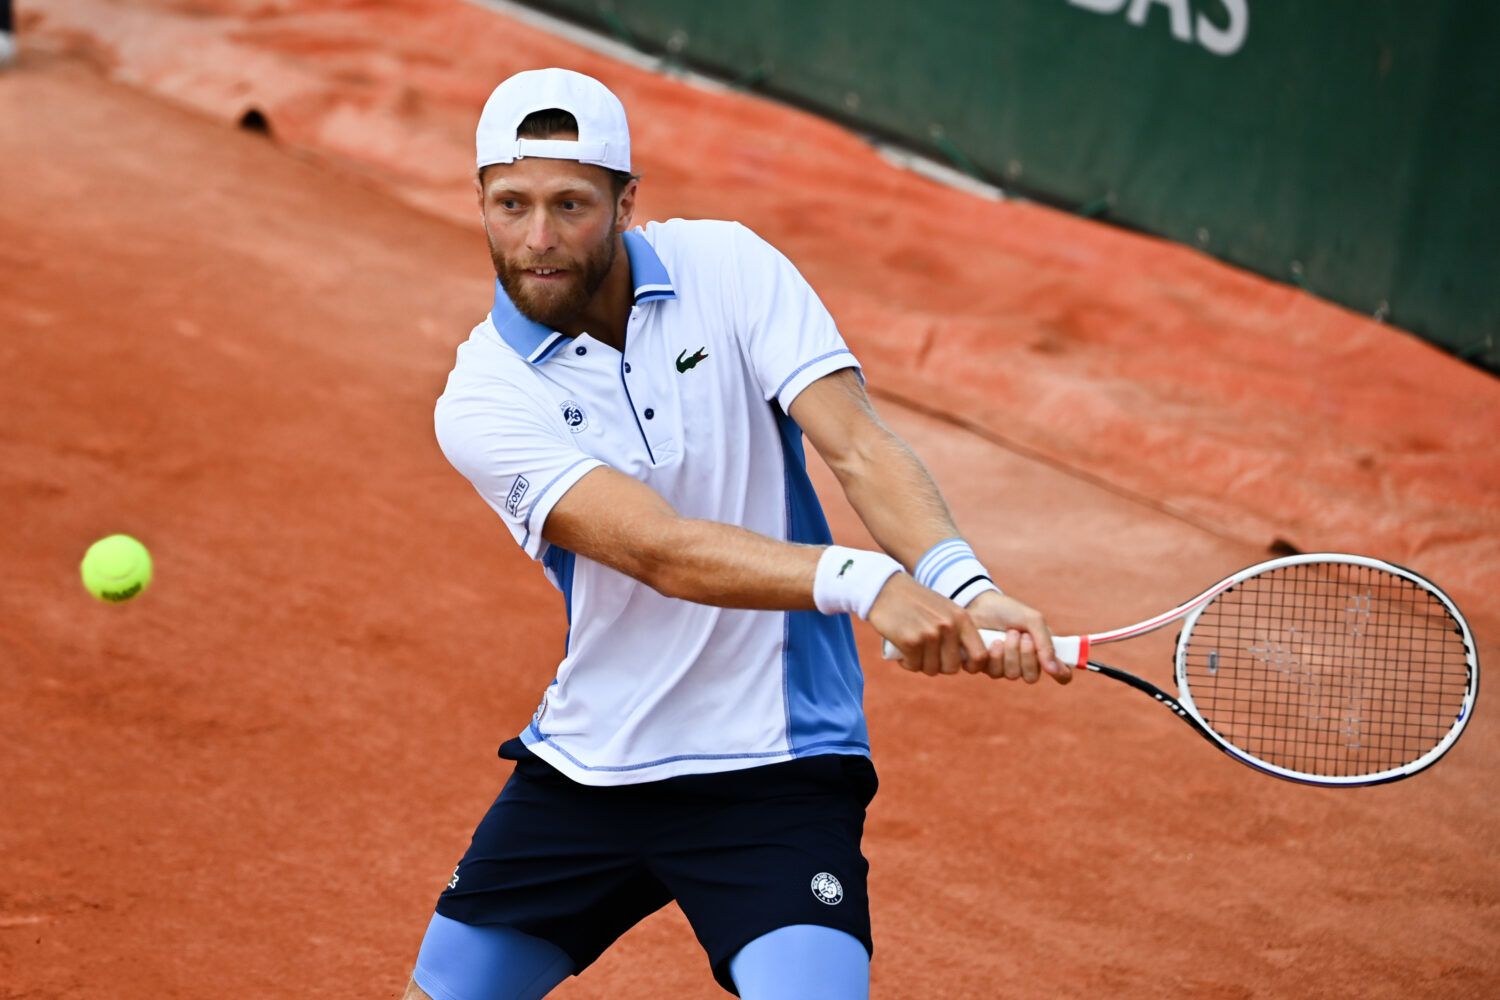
[951, 569]
[849, 580]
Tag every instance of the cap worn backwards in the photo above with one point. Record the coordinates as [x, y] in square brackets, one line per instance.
[603, 135]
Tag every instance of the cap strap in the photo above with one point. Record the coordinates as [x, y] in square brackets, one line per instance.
[560, 149]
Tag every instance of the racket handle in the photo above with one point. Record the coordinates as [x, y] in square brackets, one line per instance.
[1071, 649]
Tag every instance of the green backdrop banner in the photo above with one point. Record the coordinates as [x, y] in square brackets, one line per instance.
[1347, 146]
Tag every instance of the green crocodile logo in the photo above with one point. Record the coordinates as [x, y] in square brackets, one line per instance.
[845, 568]
[685, 363]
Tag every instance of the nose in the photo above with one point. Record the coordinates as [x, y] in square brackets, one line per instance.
[541, 237]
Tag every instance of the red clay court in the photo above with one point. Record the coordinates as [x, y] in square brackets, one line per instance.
[254, 780]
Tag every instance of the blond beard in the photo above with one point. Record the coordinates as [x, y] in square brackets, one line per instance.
[555, 308]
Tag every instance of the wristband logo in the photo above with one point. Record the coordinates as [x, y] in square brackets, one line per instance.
[845, 568]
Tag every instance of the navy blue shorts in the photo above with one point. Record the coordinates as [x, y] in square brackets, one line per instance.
[742, 852]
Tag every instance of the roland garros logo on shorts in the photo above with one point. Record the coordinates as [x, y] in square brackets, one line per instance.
[826, 889]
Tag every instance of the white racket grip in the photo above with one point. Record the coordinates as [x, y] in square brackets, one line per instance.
[1070, 649]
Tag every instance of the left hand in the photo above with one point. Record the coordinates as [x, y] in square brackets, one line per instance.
[1026, 652]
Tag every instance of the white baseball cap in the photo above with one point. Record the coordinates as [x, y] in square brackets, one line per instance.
[603, 135]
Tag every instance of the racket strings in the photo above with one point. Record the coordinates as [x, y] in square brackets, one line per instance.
[1330, 669]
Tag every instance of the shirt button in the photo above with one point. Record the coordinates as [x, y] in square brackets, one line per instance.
[580, 350]
[627, 368]
[649, 413]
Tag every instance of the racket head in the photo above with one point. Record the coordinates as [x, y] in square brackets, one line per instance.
[1329, 669]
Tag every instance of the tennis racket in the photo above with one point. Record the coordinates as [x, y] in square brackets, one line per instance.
[1323, 668]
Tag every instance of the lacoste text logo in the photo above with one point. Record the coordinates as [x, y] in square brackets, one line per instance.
[685, 363]
[513, 502]
[845, 568]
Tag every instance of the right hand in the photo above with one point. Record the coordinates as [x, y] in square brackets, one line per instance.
[934, 635]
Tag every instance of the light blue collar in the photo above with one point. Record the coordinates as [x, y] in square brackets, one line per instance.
[536, 342]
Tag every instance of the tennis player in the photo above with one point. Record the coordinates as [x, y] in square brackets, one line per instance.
[633, 408]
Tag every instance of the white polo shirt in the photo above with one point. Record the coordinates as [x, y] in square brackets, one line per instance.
[723, 335]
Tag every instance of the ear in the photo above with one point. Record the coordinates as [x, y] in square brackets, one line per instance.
[625, 213]
[479, 190]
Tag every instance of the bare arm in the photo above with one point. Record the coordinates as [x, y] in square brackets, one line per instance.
[898, 501]
[625, 525]
[886, 483]
[614, 520]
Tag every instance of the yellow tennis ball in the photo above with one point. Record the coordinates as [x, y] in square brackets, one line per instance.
[116, 568]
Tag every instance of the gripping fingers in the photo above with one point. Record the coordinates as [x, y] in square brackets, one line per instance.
[996, 666]
[1048, 654]
[976, 654]
[932, 657]
[1012, 657]
[906, 659]
[1030, 669]
[952, 652]
[995, 661]
[942, 652]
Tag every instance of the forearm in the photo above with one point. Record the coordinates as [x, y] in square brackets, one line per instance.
[895, 496]
[614, 520]
[730, 567]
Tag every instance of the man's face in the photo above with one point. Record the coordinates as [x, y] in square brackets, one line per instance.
[552, 227]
